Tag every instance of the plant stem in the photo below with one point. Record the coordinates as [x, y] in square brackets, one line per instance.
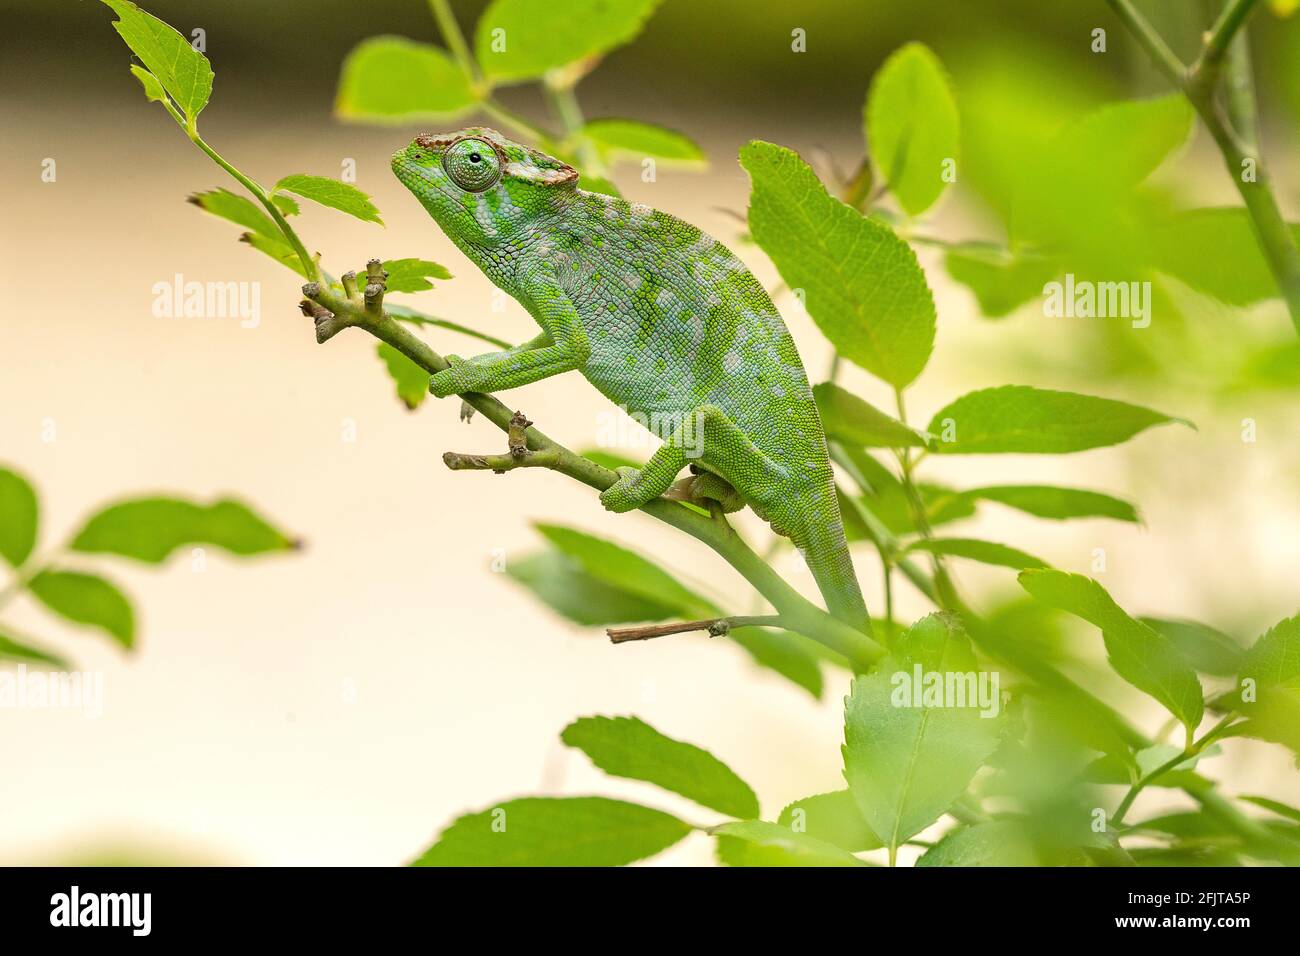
[1200, 85]
[450, 30]
[564, 103]
[797, 612]
[1193, 748]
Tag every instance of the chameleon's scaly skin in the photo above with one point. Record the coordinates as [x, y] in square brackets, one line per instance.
[660, 317]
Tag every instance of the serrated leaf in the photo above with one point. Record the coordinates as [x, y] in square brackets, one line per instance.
[1272, 666]
[286, 204]
[832, 817]
[560, 583]
[412, 275]
[984, 844]
[1142, 656]
[853, 421]
[986, 552]
[181, 70]
[1019, 418]
[907, 762]
[239, 210]
[152, 529]
[24, 652]
[523, 39]
[412, 381]
[555, 831]
[912, 126]
[1208, 650]
[393, 80]
[634, 138]
[862, 284]
[1049, 501]
[626, 570]
[87, 599]
[784, 652]
[19, 517]
[330, 192]
[629, 747]
[758, 843]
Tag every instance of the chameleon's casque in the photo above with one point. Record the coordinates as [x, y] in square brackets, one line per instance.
[660, 317]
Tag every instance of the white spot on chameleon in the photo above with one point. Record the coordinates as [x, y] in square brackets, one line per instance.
[664, 299]
[641, 210]
[778, 391]
[731, 362]
[483, 216]
[633, 280]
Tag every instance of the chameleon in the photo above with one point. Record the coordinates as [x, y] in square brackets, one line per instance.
[662, 319]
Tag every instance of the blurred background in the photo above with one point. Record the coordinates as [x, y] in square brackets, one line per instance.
[339, 705]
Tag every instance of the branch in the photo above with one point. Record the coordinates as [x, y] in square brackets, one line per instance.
[334, 311]
[1165, 60]
[717, 627]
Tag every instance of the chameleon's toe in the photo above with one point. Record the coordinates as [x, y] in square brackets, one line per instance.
[619, 496]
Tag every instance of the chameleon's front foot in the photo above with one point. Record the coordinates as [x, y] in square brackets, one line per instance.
[621, 496]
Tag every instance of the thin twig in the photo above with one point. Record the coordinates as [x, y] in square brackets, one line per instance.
[716, 626]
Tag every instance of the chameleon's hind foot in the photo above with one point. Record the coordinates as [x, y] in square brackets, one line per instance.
[706, 490]
[621, 496]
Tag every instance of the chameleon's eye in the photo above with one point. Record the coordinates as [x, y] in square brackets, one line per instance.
[472, 165]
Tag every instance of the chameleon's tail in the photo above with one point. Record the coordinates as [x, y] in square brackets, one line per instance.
[822, 541]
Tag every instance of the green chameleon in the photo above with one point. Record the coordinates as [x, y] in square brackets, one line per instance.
[659, 316]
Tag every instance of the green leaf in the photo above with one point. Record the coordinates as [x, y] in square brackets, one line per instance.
[912, 125]
[626, 570]
[555, 831]
[1142, 656]
[87, 599]
[862, 284]
[286, 204]
[393, 80]
[522, 39]
[757, 843]
[560, 583]
[412, 275]
[412, 381]
[832, 817]
[1272, 666]
[183, 71]
[1048, 501]
[19, 516]
[240, 211]
[153, 90]
[1208, 650]
[853, 421]
[151, 529]
[629, 747]
[610, 459]
[984, 844]
[1019, 418]
[633, 138]
[905, 765]
[1215, 252]
[13, 649]
[1001, 282]
[1276, 806]
[280, 251]
[330, 192]
[986, 552]
[785, 652]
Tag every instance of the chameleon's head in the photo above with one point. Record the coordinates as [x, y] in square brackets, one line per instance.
[479, 186]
